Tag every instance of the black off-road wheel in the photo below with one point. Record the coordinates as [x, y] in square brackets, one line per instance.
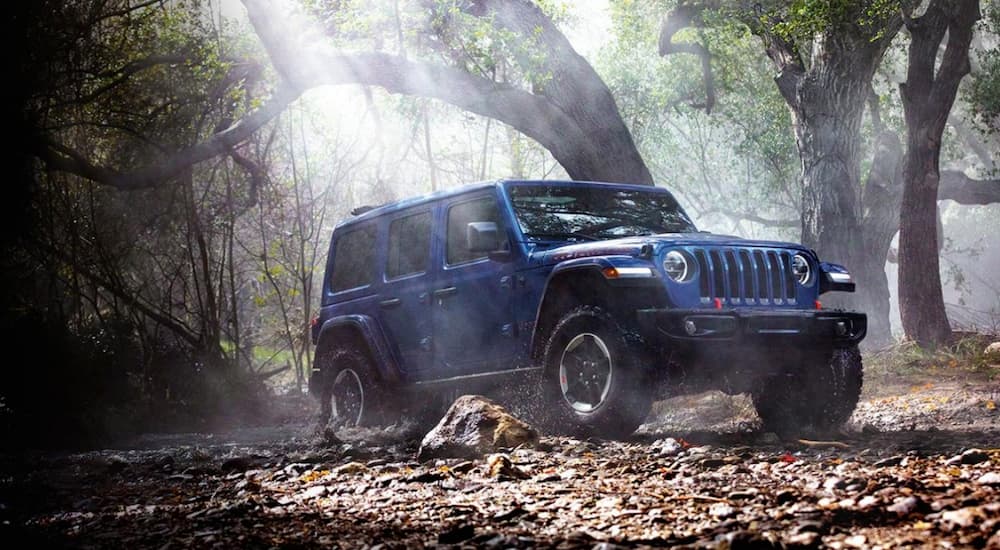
[351, 395]
[595, 379]
[813, 398]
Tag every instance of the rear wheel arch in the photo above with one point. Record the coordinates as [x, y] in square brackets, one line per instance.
[346, 335]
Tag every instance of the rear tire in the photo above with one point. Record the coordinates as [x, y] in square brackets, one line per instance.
[595, 380]
[816, 399]
[350, 395]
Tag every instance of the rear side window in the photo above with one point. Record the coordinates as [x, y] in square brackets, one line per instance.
[409, 245]
[459, 217]
[353, 259]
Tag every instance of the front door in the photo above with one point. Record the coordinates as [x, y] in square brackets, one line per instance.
[473, 301]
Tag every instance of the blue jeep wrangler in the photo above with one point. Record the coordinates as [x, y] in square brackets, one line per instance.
[598, 297]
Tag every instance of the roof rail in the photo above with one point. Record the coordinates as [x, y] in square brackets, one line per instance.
[362, 209]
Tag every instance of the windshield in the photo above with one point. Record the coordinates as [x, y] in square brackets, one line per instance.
[578, 212]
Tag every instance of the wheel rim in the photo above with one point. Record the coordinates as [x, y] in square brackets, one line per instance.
[585, 371]
[348, 397]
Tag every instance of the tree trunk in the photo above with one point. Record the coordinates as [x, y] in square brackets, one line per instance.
[880, 221]
[928, 96]
[827, 103]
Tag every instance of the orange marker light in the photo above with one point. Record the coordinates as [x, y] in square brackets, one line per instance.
[610, 273]
[818, 304]
[718, 303]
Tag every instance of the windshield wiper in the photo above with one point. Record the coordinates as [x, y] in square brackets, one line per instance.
[563, 234]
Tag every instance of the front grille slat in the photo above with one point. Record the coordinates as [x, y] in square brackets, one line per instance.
[745, 276]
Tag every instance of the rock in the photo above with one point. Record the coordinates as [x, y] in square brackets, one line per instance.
[721, 510]
[989, 478]
[236, 464]
[906, 506]
[971, 456]
[807, 539]
[502, 468]
[959, 519]
[666, 447]
[992, 352]
[891, 461]
[473, 427]
[350, 468]
[315, 491]
[425, 477]
[785, 495]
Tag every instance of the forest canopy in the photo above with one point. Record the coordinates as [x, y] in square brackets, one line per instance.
[179, 164]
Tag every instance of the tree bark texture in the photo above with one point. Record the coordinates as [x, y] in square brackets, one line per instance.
[928, 95]
[880, 220]
[827, 101]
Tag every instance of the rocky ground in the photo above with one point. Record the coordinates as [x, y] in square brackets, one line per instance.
[919, 465]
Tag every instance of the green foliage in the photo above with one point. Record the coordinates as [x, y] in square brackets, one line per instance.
[743, 153]
[983, 91]
[800, 20]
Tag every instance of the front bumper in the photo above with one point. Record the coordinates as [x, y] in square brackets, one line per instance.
[751, 327]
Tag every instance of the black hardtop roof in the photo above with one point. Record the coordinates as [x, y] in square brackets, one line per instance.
[396, 206]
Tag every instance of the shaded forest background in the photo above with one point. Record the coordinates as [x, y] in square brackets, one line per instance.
[178, 165]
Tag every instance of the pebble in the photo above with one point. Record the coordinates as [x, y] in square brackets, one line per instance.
[971, 456]
[989, 478]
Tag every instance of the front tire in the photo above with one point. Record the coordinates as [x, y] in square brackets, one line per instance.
[595, 378]
[817, 399]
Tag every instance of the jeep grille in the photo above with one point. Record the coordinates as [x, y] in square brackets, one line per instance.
[745, 276]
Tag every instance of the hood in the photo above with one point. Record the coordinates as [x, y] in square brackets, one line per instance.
[632, 246]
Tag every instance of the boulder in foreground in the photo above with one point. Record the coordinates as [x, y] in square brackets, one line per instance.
[473, 427]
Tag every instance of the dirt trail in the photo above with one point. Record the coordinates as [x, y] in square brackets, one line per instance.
[921, 467]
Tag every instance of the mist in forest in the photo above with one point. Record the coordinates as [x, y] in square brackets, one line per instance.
[188, 162]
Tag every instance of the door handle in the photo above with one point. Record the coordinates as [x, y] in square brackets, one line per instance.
[445, 292]
[390, 303]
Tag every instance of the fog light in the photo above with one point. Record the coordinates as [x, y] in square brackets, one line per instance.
[840, 328]
[690, 327]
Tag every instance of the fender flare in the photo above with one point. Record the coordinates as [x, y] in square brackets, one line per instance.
[386, 366]
[595, 265]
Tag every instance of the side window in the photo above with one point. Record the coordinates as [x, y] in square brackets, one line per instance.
[409, 245]
[353, 259]
[459, 217]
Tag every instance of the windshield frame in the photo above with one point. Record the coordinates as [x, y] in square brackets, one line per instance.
[526, 234]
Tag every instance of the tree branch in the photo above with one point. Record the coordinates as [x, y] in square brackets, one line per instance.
[306, 66]
[747, 216]
[684, 16]
[958, 187]
[63, 159]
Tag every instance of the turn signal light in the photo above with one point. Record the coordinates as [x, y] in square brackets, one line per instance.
[818, 304]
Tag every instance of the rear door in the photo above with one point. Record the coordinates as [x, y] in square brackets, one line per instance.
[404, 307]
[473, 299]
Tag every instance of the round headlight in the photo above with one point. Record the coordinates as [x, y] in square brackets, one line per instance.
[800, 268]
[676, 266]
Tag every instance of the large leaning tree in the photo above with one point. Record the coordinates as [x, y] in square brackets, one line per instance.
[557, 98]
[825, 56]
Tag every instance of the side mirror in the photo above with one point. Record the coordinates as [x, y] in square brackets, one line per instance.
[833, 277]
[481, 236]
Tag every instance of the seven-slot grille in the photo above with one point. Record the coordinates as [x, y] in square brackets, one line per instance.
[747, 276]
